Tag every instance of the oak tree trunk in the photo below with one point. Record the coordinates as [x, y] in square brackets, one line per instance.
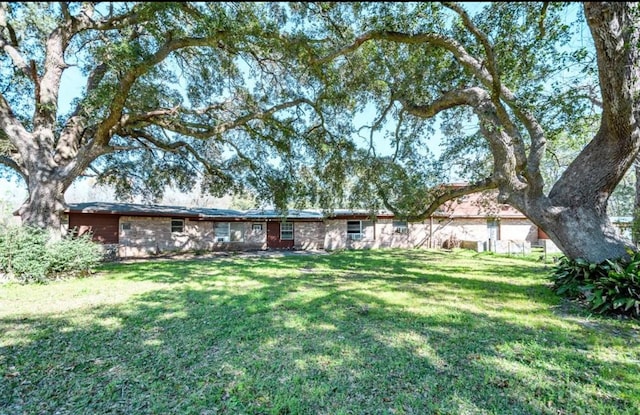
[45, 204]
[635, 224]
[582, 232]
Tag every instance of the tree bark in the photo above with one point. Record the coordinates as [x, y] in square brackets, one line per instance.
[45, 205]
[635, 224]
[580, 232]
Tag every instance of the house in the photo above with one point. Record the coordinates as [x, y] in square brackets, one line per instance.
[475, 222]
[142, 230]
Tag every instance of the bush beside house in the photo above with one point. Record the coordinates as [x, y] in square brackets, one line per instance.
[26, 255]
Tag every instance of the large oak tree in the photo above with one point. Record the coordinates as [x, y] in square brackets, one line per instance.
[261, 95]
[514, 71]
[173, 94]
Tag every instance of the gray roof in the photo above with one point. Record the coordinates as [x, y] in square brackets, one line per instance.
[272, 213]
[131, 209]
[359, 212]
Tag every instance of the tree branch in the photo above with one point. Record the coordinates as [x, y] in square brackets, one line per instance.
[175, 147]
[105, 129]
[11, 163]
[442, 194]
[84, 20]
[501, 143]
[17, 135]
[543, 15]
[10, 46]
[484, 41]
[472, 97]
[64, 8]
[165, 118]
[397, 134]
[72, 132]
[535, 130]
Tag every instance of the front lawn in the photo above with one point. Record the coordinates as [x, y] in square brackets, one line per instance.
[354, 332]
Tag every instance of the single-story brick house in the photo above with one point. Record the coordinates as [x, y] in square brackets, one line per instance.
[473, 221]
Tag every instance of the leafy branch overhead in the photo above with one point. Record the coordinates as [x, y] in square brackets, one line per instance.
[509, 84]
[172, 92]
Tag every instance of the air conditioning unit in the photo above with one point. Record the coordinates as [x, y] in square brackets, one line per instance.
[355, 236]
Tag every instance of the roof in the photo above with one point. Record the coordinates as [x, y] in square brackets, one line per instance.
[272, 213]
[477, 205]
[131, 209]
[359, 213]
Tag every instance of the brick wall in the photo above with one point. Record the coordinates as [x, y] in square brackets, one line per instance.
[308, 235]
[148, 236]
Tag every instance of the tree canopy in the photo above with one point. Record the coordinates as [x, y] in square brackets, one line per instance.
[263, 96]
[173, 94]
[514, 73]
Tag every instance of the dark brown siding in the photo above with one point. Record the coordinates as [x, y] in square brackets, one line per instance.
[104, 228]
[273, 237]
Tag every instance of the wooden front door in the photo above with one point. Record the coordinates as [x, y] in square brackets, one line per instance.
[274, 237]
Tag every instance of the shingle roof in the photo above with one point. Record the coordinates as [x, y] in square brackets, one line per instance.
[477, 205]
[272, 213]
[132, 209]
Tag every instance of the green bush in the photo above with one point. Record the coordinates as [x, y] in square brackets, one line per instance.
[27, 255]
[22, 253]
[610, 287]
[75, 256]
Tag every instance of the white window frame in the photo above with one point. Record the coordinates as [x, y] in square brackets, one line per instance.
[400, 226]
[226, 236]
[175, 228]
[223, 236]
[282, 231]
[126, 226]
[355, 236]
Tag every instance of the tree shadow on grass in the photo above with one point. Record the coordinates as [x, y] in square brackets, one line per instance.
[237, 341]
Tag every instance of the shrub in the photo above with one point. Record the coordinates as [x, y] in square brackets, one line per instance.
[73, 256]
[27, 255]
[608, 287]
[22, 253]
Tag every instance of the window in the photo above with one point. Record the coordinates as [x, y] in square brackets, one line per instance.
[236, 230]
[354, 230]
[229, 232]
[222, 232]
[256, 227]
[177, 225]
[400, 226]
[126, 226]
[286, 231]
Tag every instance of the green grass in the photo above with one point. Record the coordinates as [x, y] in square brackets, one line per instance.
[354, 332]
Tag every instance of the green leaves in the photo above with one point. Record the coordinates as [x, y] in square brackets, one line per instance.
[609, 287]
[26, 255]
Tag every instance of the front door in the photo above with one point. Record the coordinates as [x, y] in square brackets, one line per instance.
[493, 228]
[279, 237]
